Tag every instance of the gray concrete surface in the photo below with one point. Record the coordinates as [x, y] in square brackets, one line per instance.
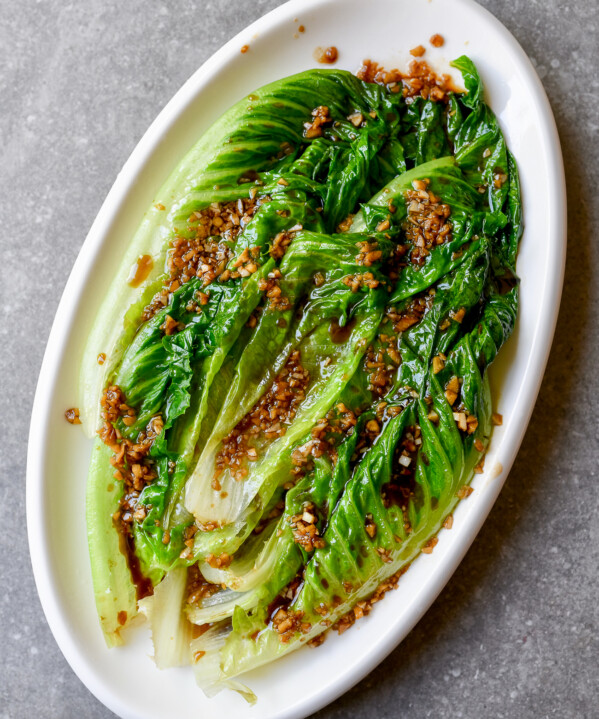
[514, 634]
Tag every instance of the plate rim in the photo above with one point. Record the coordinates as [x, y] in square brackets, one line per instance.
[143, 151]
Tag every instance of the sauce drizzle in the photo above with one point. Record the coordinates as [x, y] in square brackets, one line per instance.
[140, 270]
[340, 335]
[143, 585]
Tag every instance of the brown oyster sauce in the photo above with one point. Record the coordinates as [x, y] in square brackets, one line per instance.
[143, 586]
[340, 335]
[140, 270]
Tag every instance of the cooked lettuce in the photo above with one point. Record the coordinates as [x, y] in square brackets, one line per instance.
[294, 430]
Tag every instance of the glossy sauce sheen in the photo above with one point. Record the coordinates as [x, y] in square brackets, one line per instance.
[143, 586]
[340, 335]
[140, 270]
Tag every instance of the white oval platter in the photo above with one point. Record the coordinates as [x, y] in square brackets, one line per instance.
[125, 679]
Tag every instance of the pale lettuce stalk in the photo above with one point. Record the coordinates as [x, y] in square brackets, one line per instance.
[115, 593]
[171, 631]
[205, 659]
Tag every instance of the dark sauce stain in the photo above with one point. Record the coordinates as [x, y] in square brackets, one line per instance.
[248, 176]
[283, 600]
[325, 583]
[418, 497]
[276, 604]
[143, 586]
[198, 629]
[340, 335]
[140, 270]
[402, 486]
[396, 494]
[434, 503]
[507, 282]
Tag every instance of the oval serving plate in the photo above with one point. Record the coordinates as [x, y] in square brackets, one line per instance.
[125, 679]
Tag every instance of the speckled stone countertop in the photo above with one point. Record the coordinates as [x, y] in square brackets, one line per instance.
[515, 633]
